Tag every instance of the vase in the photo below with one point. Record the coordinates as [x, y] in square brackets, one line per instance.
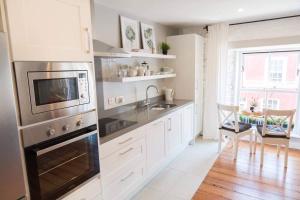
[252, 108]
[165, 52]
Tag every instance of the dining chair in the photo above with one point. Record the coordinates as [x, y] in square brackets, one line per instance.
[230, 126]
[276, 129]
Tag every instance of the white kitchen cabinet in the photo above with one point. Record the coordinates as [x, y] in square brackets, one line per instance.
[130, 161]
[188, 66]
[50, 30]
[88, 191]
[122, 163]
[124, 182]
[173, 131]
[155, 141]
[123, 141]
[124, 156]
[187, 124]
[3, 27]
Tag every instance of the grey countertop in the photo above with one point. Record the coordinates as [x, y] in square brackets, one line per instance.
[142, 116]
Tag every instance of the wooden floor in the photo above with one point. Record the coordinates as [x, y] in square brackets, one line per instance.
[245, 179]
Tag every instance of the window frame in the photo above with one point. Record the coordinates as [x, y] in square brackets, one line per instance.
[273, 100]
[272, 83]
[289, 87]
[268, 86]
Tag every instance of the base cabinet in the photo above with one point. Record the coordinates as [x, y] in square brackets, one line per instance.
[155, 138]
[124, 181]
[89, 191]
[130, 161]
[123, 163]
[187, 124]
[173, 132]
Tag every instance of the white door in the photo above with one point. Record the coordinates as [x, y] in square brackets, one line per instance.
[155, 141]
[187, 124]
[173, 130]
[50, 30]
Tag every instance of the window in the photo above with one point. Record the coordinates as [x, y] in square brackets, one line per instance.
[272, 103]
[243, 103]
[271, 79]
[275, 71]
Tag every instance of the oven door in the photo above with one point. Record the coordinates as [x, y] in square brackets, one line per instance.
[52, 90]
[57, 166]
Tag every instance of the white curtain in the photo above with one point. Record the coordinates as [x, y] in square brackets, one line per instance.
[296, 130]
[215, 77]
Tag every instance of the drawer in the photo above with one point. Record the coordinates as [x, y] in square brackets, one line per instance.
[123, 157]
[124, 182]
[120, 142]
[87, 192]
[98, 197]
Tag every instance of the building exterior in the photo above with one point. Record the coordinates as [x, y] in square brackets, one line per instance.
[270, 80]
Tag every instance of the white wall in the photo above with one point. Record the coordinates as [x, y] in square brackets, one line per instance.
[266, 33]
[193, 29]
[106, 28]
[134, 91]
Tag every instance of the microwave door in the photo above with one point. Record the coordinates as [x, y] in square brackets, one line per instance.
[53, 90]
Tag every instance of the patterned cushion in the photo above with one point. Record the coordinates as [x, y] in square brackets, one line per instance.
[242, 127]
[277, 132]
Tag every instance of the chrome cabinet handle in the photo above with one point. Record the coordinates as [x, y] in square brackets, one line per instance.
[126, 140]
[123, 153]
[126, 177]
[2, 17]
[88, 40]
[170, 124]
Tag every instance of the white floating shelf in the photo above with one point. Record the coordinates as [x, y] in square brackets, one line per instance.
[151, 55]
[133, 55]
[111, 55]
[141, 78]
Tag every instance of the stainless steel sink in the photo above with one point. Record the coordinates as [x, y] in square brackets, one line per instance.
[162, 106]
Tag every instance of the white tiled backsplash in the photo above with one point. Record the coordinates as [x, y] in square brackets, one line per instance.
[132, 91]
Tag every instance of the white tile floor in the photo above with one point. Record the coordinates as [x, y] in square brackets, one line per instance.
[181, 179]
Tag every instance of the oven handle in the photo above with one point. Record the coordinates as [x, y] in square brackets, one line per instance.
[46, 150]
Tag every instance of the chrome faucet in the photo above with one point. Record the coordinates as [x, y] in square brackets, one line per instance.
[147, 101]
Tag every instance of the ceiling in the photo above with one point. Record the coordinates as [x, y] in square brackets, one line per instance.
[203, 12]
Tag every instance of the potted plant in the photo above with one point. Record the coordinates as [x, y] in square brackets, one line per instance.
[164, 48]
[253, 104]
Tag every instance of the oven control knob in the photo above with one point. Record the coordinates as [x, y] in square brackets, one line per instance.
[66, 127]
[51, 132]
[79, 123]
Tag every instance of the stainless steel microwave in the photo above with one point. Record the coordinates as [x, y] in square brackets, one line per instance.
[48, 90]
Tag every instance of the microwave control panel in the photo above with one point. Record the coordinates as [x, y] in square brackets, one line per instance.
[83, 88]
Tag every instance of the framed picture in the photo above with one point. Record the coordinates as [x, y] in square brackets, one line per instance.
[148, 37]
[130, 35]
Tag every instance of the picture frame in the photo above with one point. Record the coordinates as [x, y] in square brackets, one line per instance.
[129, 33]
[148, 37]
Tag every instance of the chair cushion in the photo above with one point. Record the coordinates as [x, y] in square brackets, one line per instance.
[276, 132]
[242, 127]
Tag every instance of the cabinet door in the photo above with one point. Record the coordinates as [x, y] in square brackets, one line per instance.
[173, 130]
[187, 124]
[89, 191]
[50, 30]
[155, 141]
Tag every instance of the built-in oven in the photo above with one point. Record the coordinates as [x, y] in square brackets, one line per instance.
[61, 155]
[48, 90]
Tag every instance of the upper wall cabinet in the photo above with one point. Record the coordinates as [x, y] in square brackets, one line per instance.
[50, 30]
